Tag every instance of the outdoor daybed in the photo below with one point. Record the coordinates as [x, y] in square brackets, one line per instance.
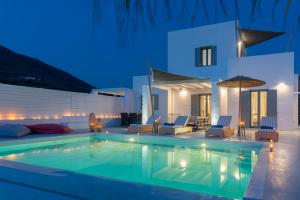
[268, 129]
[222, 129]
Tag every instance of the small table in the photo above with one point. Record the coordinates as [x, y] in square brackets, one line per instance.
[203, 123]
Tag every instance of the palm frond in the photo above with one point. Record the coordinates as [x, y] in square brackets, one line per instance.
[287, 7]
[237, 8]
[255, 7]
[274, 8]
[133, 16]
[205, 10]
[223, 6]
[286, 11]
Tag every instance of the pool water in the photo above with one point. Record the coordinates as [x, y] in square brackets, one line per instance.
[198, 165]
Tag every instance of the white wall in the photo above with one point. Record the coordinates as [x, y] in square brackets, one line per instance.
[182, 104]
[181, 54]
[138, 82]
[19, 102]
[273, 69]
[182, 44]
[163, 104]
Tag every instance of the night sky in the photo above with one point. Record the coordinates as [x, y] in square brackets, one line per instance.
[64, 33]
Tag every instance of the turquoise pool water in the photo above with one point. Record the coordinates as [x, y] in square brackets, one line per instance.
[198, 165]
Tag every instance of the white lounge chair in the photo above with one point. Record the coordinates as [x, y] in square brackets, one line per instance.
[268, 129]
[222, 129]
[143, 128]
[179, 126]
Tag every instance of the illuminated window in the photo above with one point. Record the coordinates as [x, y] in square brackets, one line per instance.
[205, 56]
[259, 101]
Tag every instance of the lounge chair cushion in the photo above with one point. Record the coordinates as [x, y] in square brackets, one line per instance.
[14, 130]
[217, 126]
[49, 128]
[224, 120]
[270, 121]
[181, 121]
[150, 119]
[266, 127]
[137, 125]
[172, 126]
[169, 124]
[267, 130]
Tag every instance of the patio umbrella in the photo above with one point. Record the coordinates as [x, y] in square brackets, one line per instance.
[240, 82]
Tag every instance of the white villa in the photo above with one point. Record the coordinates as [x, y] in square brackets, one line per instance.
[214, 53]
[198, 58]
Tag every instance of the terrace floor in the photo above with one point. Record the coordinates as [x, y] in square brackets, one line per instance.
[283, 175]
[282, 181]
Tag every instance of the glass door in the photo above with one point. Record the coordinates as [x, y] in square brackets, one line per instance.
[205, 105]
[258, 107]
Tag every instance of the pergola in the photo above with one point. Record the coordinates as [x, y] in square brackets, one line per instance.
[170, 81]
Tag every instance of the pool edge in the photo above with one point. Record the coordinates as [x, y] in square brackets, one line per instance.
[69, 184]
[255, 189]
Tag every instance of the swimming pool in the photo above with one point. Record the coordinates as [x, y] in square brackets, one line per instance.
[213, 167]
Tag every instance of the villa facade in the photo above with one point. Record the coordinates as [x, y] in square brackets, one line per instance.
[214, 53]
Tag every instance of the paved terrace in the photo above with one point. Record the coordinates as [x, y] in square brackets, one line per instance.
[282, 181]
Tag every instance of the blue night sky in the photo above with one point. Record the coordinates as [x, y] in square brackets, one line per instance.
[63, 33]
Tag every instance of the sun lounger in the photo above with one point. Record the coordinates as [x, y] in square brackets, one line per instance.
[143, 128]
[222, 129]
[179, 126]
[268, 129]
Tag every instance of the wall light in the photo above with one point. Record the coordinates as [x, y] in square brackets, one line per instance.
[183, 92]
[223, 91]
[240, 43]
[281, 86]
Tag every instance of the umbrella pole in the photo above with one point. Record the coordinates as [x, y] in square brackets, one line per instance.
[154, 127]
[239, 114]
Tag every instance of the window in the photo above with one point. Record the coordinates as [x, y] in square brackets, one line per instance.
[259, 101]
[206, 56]
[141, 103]
[155, 101]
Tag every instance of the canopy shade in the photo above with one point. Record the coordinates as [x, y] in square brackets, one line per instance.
[251, 37]
[166, 80]
[241, 81]
[161, 77]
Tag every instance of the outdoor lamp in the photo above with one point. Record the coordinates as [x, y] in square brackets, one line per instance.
[271, 145]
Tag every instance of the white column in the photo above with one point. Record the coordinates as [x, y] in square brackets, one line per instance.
[146, 103]
[214, 102]
[128, 101]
